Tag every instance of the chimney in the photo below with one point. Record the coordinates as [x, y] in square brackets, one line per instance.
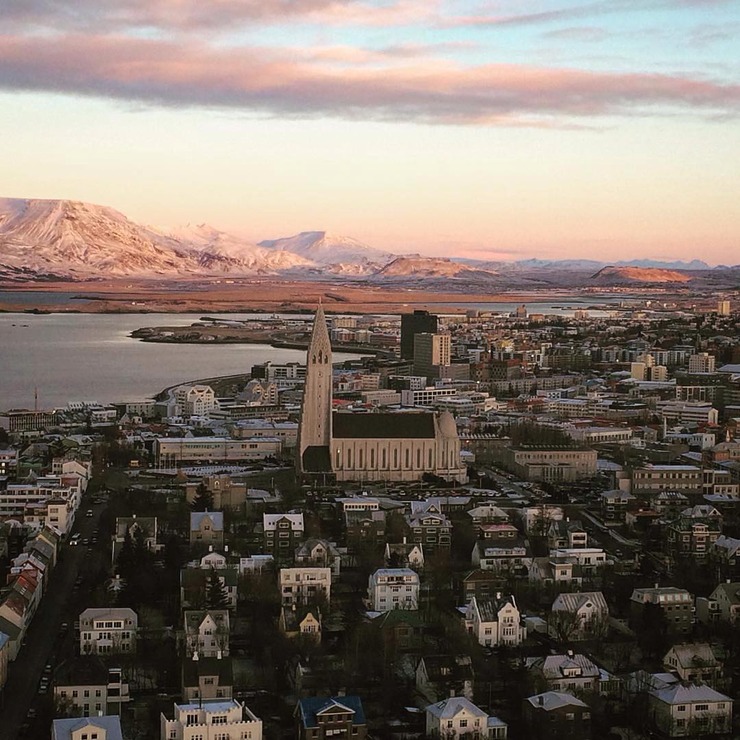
[219, 655]
[570, 653]
[226, 549]
[498, 595]
[541, 700]
[210, 548]
[404, 539]
[133, 516]
[195, 655]
[657, 585]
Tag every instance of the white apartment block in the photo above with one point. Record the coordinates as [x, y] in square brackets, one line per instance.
[222, 719]
[194, 400]
[105, 631]
[688, 412]
[393, 588]
[303, 586]
[426, 396]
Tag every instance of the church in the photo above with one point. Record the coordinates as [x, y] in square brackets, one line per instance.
[382, 446]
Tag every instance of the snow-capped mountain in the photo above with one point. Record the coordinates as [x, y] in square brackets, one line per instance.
[69, 238]
[223, 252]
[45, 239]
[329, 249]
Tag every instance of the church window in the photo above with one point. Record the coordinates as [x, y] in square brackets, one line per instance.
[339, 459]
[383, 462]
[372, 457]
[431, 461]
[408, 457]
[349, 458]
[395, 457]
[418, 458]
[361, 458]
[313, 359]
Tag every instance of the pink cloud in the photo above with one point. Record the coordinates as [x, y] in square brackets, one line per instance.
[273, 82]
[196, 15]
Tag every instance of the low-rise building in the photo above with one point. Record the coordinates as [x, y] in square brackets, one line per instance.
[694, 662]
[689, 710]
[674, 603]
[440, 676]
[207, 528]
[319, 718]
[457, 718]
[579, 616]
[282, 534]
[108, 630]
[393, 588]
[207, 678]
[571, 672]
[207, 633]
[305, 586]
[77, 728]
[556, 715]
[495, 622]
[87, 685]
[221, 718]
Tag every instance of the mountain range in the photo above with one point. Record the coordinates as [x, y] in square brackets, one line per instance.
[71, 240]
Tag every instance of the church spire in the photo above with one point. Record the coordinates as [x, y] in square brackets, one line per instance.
[314, 431]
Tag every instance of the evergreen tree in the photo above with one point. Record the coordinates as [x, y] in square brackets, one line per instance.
[216, 594]
[203, 500]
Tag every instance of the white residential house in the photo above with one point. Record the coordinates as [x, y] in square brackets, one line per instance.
[457, 718]
[578, 616]
[304, 586]
[694, 662]
[207, 633]
[108, 630]
[495, 622]
[690, 710]
[571, 672]
[220, 719]
[393, 588]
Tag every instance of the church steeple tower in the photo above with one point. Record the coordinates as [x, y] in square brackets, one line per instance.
[314, 431]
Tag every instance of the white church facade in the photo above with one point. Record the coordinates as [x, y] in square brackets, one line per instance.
[387, 446]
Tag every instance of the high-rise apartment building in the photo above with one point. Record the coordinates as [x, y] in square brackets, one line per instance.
[702, 362]
[415, 323]
[431, 354]
[723, 308]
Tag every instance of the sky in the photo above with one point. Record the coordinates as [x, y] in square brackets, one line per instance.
[511, 129]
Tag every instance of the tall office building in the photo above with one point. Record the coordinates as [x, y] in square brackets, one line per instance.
[431, 355]
[412, 324]
[723, 308]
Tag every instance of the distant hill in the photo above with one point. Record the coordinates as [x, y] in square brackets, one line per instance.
[637, 275]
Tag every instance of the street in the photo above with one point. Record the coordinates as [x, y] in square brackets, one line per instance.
[43, 642]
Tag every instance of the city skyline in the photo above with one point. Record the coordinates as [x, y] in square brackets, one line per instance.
[603, 130]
